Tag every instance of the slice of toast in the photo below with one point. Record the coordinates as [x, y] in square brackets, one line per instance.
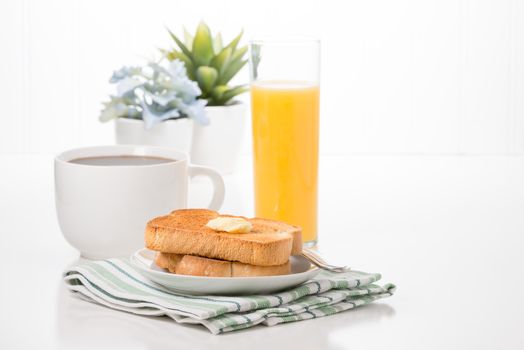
[199, 266]
[184, 232]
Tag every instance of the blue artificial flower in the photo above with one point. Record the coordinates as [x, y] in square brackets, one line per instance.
[152, 116]
[155, 92]
[196, 111]
[123, 73]
[127, 85]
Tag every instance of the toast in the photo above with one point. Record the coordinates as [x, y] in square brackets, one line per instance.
[184, 232]
[199, 266]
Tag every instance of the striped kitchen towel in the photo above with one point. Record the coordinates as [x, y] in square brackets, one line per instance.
[117, 284]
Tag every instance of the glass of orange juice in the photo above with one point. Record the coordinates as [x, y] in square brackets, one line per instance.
[285, 108]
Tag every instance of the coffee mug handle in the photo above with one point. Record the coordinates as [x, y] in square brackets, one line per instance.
[218, 184]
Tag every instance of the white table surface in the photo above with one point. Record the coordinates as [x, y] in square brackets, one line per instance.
[447, 230]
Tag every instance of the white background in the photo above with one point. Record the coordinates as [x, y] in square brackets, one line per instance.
[428, 79]
[398, 77]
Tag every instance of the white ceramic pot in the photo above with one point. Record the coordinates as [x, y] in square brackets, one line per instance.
[170, 133]
[218, 144]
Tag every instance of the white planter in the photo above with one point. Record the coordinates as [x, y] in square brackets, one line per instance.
[217, 145]
[170, 133]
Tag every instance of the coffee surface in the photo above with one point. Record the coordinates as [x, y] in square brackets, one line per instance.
[121, 160]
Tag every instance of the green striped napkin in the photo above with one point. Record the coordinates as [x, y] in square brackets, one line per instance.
[116, 284]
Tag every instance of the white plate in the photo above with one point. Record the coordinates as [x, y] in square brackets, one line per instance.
[301, 271]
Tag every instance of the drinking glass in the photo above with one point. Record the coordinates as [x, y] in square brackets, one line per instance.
[285, 110]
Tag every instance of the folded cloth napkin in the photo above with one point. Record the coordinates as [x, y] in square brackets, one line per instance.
[117, 284]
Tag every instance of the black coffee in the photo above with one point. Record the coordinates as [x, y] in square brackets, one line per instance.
[121, 160]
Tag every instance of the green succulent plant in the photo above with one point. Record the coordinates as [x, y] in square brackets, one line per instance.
[209, 63]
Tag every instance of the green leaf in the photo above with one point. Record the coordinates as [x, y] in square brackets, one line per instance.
[206, 77]
[231, 70]
[181, 45]
[220, 61]
[239, 54]
[166, 53]
[229, 94]
[202, 45]
[188, 38]
[233, 44]
[218, 91]
[217, 43]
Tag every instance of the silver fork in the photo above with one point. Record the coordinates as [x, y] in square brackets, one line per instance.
[317, 260]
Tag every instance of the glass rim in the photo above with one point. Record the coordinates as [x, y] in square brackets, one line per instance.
[292, 40]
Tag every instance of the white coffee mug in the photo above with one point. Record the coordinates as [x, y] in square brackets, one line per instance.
[103, 209]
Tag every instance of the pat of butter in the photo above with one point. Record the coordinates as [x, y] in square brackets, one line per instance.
[230, 225]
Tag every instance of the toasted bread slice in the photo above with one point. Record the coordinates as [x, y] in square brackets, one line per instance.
[184, 232]
[168, 261]
[246, 270]
[278, 226]
[199, 266]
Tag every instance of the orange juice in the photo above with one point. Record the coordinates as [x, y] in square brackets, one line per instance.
[285, 140]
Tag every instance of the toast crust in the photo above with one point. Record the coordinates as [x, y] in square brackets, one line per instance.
[184, 232]
[200, 266]
[168, 261]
